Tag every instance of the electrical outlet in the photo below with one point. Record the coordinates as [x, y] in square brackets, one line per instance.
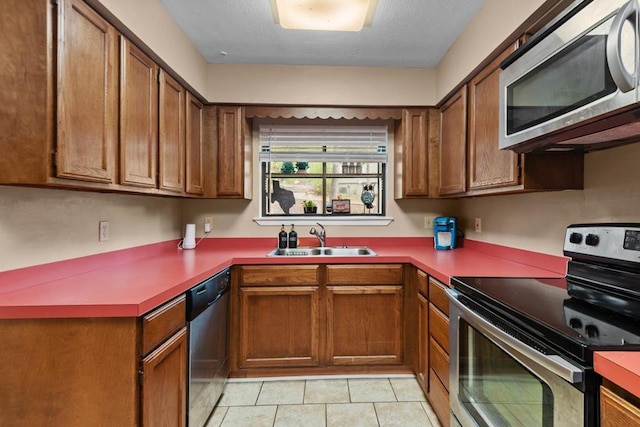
[103, 231]
[428, 223]
[208, 224]
[478, 225]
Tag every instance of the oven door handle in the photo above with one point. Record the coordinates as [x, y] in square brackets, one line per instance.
[553, 363]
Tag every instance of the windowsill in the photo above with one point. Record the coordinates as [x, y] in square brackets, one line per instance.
[364, 220]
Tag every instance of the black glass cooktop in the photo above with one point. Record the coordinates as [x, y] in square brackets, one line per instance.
[542, 311]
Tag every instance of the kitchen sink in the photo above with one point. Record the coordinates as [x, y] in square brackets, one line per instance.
[326, 251]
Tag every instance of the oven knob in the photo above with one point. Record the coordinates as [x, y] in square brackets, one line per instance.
[591, 331]
[592, 240]
[575, 238]
[575, 323]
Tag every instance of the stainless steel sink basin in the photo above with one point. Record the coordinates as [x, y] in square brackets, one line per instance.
[327, 251]
[355, 251]
[296, 252]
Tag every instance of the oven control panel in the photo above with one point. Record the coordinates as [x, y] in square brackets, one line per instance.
[614, 241]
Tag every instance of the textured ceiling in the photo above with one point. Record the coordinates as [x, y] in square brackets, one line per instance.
[404, 33]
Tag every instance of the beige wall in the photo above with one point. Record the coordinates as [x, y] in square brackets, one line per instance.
[493, 23]
[150, 21]
[279, 84]
[538, 221]
[45, 225]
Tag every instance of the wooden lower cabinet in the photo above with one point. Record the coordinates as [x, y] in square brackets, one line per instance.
[618, 407]
[279, 326]
[438, 390]
[313, 319]
[164, 383]
[364, 325]
[94, 371]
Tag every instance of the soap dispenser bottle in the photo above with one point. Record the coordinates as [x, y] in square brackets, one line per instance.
[293, 237]
[282, 238]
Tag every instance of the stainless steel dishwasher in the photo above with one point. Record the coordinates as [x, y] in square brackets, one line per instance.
[207, 314]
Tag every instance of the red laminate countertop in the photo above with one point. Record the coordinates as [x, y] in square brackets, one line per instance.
[620, 367]
[133, 281]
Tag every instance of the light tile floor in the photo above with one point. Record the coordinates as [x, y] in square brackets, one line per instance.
[352, 402]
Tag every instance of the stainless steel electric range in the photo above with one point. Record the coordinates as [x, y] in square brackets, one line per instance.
[521, 349]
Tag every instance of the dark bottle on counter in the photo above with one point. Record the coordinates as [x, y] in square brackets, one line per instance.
[282, 238]
[293, 237]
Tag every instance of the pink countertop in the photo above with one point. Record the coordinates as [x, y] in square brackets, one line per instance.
[133, 281]
[620, 367]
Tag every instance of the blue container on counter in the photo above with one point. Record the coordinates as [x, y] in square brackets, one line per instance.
[444, 232]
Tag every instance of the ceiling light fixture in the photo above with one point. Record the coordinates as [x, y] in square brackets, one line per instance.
[323, 15]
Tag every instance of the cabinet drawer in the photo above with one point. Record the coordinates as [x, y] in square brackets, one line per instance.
[438, 296]
[267, 275]
[376, 274]
[439, 399]
[421, 283]
[439, 327]
[161, 323]
[617, 411]
[439, 362]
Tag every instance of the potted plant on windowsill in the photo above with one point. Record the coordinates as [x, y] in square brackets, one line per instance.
[302, 167]
[309, 207]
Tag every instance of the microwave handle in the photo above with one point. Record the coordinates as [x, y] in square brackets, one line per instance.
[623, 79]
[553, 363]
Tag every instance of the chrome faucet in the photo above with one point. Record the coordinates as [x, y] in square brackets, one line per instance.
[321, 235]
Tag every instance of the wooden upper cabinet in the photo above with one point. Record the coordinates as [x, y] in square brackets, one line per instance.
[87, 94]
[488, 165]
[138, 117]
[195, 146]
[233, 167]
[172, 134]
[416, 154]
[453, 144]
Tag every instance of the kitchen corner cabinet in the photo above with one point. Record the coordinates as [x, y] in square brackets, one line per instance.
[364, 314]
[279, 316]
[453, 143]
[421, 366]
[122, 371]
[233, 155]
[618, 407]
[416, 153]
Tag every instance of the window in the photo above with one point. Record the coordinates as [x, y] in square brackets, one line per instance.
[323, 170]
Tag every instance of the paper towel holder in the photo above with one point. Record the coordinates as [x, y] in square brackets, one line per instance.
[189, 240]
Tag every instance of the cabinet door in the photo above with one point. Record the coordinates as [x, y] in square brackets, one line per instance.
[488, 165]
[453, 144]
[195, 146]
[172, 134]
[279, 326]
[87, 94]
[423, 342]
[138, 117]
[364, 325]
[164, 382]
[231, 155]
[412, 154]
[616, 411]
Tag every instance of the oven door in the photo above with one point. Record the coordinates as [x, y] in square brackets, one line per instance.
[496, 380]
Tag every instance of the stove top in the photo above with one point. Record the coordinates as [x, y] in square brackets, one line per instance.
[542, 311]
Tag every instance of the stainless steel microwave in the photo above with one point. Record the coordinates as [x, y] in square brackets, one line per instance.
[574, 84]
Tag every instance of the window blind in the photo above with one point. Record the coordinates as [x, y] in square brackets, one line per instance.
[288, 143]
